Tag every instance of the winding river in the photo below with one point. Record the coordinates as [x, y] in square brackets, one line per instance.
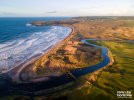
[8, 87]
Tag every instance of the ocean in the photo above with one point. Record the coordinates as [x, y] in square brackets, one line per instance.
[19, 41]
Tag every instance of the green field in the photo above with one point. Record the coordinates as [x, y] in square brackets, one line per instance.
[118, 77]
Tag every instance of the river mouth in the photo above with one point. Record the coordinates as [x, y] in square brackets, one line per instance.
[15, 52]
[55, 81]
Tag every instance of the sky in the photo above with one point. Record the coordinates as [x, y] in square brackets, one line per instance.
[46, 8]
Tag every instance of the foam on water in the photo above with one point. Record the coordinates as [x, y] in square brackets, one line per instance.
[28, 24]
[15, 52]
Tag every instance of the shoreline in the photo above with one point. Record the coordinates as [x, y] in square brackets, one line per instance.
[40, 86]
[43, 83]
[14, 73]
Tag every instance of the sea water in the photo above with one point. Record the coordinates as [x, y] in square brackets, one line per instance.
[20, 41]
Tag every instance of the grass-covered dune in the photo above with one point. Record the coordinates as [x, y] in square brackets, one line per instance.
[69, 56]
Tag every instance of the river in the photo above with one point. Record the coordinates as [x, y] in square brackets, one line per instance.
[7, 87]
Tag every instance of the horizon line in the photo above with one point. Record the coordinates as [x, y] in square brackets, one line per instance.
[71, 16]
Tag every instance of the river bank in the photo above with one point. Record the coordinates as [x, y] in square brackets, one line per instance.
[70, 46]
[45, 83]
[60, 80]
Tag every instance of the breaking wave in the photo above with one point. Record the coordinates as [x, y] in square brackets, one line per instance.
[17, 51]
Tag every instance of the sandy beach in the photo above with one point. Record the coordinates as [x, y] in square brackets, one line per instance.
[14, 73]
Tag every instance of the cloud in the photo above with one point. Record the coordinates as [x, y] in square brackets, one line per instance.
[51, 12]
[132, 5]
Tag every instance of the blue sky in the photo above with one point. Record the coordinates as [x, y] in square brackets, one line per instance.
[44, 8]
